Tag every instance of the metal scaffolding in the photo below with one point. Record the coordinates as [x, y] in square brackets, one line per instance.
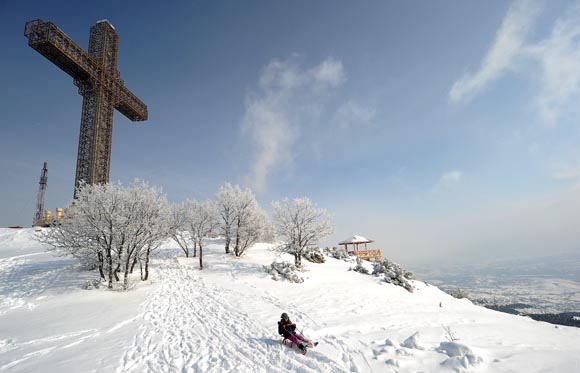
[39, 215]
[99, 82]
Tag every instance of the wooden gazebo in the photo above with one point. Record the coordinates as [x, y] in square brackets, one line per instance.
[368, 254]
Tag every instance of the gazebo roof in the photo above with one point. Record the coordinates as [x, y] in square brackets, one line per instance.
[355, 240]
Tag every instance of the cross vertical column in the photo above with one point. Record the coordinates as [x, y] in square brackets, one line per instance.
[94, 156]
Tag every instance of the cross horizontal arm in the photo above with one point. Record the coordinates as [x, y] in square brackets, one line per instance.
[52, 43]
[129, 105]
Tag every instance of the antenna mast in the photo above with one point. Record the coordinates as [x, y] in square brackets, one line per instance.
[39, 216]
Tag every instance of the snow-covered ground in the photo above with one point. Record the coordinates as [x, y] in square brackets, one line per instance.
[223, 319]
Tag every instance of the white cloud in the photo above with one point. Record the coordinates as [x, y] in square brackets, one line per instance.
[288, 97]
[553, 61]
[272, 135]
[354, 115]
[329, 72]
[506, 47]
[559, 56]
[565, 165]
[281, 76]
[566, 172]
[450, 177]
[447, 179]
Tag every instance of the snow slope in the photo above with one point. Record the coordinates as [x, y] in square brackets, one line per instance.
[223, 319]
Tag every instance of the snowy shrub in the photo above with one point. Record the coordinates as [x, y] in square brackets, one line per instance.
[360, 267]
[314, 255]
[285, 270]
[394, 274]
[94, 283]
[459, 294]
[337, 253]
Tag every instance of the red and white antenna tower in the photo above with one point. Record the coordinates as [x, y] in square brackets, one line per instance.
[39, 216]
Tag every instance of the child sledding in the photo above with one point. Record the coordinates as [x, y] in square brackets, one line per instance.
[287, 329]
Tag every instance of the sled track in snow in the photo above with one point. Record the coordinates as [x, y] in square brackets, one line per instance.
[189, 326]
[345, 352]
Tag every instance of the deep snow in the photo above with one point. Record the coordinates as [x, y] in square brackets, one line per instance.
[223, 319]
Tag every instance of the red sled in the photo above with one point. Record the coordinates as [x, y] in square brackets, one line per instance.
[309, 344]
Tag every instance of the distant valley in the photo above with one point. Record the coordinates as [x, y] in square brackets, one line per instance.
[546, 289]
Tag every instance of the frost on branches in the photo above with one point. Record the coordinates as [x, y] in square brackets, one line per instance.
[394, 274]
[178, 218]
[112, 228]
[225, 206]
[301, 225]
[200, 220]
[241, 220]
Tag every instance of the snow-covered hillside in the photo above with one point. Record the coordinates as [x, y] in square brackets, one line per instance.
[223, 319]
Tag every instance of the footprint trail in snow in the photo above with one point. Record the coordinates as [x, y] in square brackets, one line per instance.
[189, 326]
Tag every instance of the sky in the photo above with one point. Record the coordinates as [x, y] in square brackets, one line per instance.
[446, 131]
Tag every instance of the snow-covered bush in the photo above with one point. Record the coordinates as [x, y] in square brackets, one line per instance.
[459, 293]
[394, 274]
[337, 253]
[285, 270]
[91, 284]
[360, 267]
[314, 255]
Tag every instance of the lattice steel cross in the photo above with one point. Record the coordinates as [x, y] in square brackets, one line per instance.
[99, 82]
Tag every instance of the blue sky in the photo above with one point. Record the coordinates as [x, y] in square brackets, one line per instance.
[446, 131]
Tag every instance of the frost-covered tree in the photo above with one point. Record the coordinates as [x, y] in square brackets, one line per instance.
[300, 224]
[241, 220]
[201, 221]
[147, 226]
[250, 221]
[178, 216]
[225, 207]
[255, 227]
[76, 238]
[112, 227]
